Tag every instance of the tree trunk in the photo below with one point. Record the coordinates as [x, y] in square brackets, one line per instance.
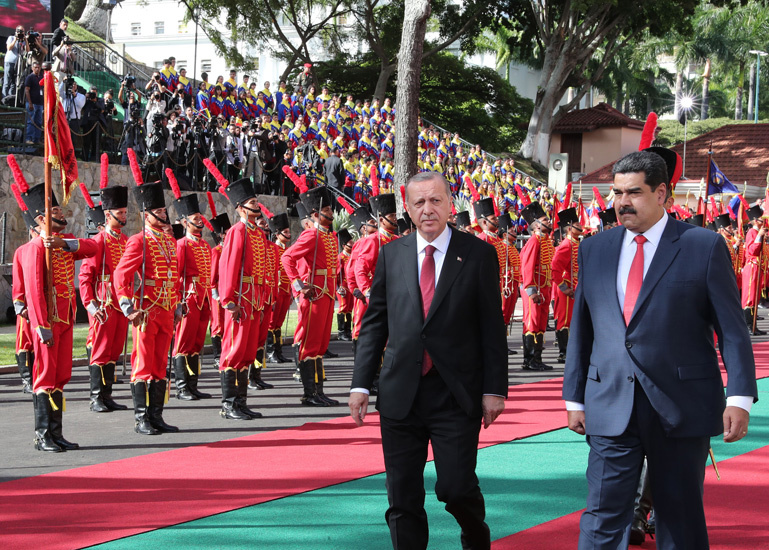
[705, 91]
[751, 90]
[407, 95]
[679, 91]
[738, 100]
[385, 73]
[95, 18]
[649, 103]
[74, 10]
[618, 98]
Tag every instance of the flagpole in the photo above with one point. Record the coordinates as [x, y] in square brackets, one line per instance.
[707, 181]
[48, 190]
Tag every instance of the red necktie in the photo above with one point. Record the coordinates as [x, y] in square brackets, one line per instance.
[634, 279]
[427, 286]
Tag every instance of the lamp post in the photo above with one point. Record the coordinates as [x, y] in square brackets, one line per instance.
[759, 54]
[686, 104]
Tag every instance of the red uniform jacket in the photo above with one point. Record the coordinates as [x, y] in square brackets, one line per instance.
[564, 264]
[230, 265]
[97, 272]
[304, 249]
[536, 256]
[368, 254]
[195, 259]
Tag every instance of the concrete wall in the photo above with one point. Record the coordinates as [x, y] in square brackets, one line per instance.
[33, 169]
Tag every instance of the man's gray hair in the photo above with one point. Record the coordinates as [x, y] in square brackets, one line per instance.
[427, 176]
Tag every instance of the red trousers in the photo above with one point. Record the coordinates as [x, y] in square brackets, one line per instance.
[346, 302]
[217, 318]
[53, 364]
[191, 332]
[358, 310]
[24, 336]
[239, 341]
[107, 339]
[535, 315]
[316, 322]
[149, 358]
[562, 309]
[508, 305]
[264, 326]
[280, 310]
[752, 283]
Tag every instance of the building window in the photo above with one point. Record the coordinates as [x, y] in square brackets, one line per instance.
[181, 64]
[205, 65]
[182, 28]
[136, 29]
[158, 65]
[341, 20]
[160, 27]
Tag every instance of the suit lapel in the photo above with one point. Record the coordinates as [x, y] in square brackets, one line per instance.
[608, 271]
[666, 252]
[410, 270]
[452, 265]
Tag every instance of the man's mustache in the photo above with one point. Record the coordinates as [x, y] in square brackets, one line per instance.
[626, 210]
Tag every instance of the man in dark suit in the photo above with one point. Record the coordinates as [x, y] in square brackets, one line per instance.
[334, 170]
[642, 375]
[435, 306]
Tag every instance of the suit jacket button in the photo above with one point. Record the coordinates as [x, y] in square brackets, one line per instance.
[630, 379]
[628, 345]
[424, 337]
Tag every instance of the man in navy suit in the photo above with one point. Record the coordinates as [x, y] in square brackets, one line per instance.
[642, 375]
[435, 304]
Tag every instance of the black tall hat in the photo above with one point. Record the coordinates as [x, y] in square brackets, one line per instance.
[316, 198]
[344, 237]
[178, 230]
[115, 197]
[34, 198]
[504, 222]
[723, 221]
[240, 191]
[533, 212]
[301, 211]
[187, 205]
[150, 196]
[608, 216]
[407, 219]
[557, 236]
[567, 216]
[28, 219]
[96, 215]
[462, 219]
[697, 219]
[754, 212]
[711, 226]
[279, 222]
[484, 208]
[221, 223]
[671, 158]
[383, 204]
[403, 226]
[360, 216]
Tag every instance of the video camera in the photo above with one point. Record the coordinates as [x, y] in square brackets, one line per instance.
[32, 35]
[130, 81]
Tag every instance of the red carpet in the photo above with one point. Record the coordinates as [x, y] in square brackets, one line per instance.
[94, 504]
[735, 507]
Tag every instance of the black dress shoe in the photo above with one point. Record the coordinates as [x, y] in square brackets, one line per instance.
[511, 351]
[330, 355]
[637, 533]
[66, 445]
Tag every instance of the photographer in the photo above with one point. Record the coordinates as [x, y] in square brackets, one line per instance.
[109, 112]
[257, 145]
[35, 51]
[63, 64]
[60, 34]
[155, 85]
[199, 137]
[14, 47]
[234, 153]
[73, 102]
[33, 92]
[218, 145]
[156, 105]
[177, 98]
[182, 151]
[133, 129]
[92, 115]
[157, 145]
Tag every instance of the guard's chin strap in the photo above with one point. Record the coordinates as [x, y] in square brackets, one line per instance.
[201, 226]
[122, 224]
[321, 214]
[494, 225]
[161, 220]
[60, 222]
[253, 211]
[394, 225]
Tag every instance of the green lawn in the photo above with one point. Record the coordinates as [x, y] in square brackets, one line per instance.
[8, 341]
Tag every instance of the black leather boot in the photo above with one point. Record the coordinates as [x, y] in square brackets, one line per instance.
[57, 418]
[182, 379]
[529, 343]
[216, 344]
[97, 389]
[269, 348]
[241, 394]
[330, 354]
[310, 397]
[140, 398]
[157, 389]
[319, 375]
[641, 510]
[536, 362]
[278, 340]
[194, 363]
[43, 412]
[341, 325]
[348, 327]
[749, 321]
[562, 338]
[23, 361]
[298, 371]
[229, 395]
[108, 372]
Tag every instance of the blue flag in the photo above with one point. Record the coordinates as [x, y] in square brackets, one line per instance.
[718, 182]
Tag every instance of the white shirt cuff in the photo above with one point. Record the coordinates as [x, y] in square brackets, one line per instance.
[360, 390]
[741, 401]
[574, 406]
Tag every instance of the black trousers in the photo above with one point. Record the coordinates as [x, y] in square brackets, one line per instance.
[435, 418]
[676, 472]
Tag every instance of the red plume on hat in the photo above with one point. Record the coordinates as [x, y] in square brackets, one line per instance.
[374, 182]
[86, 195]
[345, 204]
[19, 200]
[18, 176]
[104, 181]
[567, 196]
[135, 168]
[473, 189]
[214, 171]
[403, 193]
[211, 204]
[266, 211]
[523, 195]
[173, 183]
[208, 225]
[453, 209]
[301, 186]
[647, 136]
[599, 198]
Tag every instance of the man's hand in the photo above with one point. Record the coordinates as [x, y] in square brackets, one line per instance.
[569, 292]
[492, 406]
[54, 242]
[358, 407]
[537, 298]
[235, 312]
[136, 318]
[25, 314]
[735, 424]
[577, 421]
[100, 315]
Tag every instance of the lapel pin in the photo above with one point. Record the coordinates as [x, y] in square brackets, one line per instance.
[459, 259]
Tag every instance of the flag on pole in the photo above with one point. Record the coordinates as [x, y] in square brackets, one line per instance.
[718, 182]
[61, 153]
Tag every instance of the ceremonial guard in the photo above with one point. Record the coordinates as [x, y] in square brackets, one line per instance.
[512, 280]
[343, 292]
[220, 225]
[107, 326]
[565, 270]
[154, 309]
[608, 219]
[25, 356]
[193, 256]
[486, 215]
[317, 248]
[52, 323]
[536, 256]
[754, 270]
[733, 241]
[280, 227]
[241, 293]
[463, 222]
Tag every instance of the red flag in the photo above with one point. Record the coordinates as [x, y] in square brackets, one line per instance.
[61, 153]
[700, 206]
[556, 209]
[584, 220]
[599, 199]
[567, 196]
